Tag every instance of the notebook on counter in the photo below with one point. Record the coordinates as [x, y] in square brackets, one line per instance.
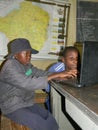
[88, 74]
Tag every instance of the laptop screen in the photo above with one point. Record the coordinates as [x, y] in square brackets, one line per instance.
[89, 62]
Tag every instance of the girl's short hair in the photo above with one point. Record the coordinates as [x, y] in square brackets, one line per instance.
[68, 49]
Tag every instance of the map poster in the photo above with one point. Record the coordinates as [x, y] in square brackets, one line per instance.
[42, 24]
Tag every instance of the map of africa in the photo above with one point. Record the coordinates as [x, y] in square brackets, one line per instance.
[28, 21]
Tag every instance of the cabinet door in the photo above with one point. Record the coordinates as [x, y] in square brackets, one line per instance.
[61, 119]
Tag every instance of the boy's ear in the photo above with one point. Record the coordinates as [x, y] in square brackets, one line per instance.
[15, 56]
[62, 59]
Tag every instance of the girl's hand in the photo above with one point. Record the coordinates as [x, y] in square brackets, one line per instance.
[63, 75]
[70, 73]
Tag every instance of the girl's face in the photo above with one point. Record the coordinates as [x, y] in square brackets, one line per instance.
[23, 57]
[71, 60]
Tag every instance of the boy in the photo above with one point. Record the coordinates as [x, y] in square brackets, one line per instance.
[69, 61]
[18, 81]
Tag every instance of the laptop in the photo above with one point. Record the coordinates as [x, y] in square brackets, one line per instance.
[88, 73]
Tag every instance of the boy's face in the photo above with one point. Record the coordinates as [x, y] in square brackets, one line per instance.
[71, 60]
[23, 57]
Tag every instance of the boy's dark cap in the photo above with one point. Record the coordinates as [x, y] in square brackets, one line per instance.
[18, 45]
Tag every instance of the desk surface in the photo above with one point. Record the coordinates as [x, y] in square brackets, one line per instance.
[85, 98]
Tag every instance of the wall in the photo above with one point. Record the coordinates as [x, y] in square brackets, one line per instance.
[43, 63]
[72, 23]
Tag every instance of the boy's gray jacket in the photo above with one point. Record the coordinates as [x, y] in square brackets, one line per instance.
[18, 83]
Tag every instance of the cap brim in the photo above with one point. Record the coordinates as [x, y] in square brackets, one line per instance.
[34, 51]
